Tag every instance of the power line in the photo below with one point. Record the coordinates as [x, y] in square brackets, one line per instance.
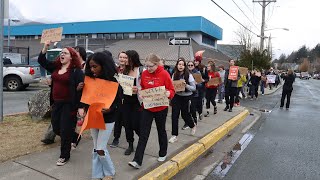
[233, 18]
[250, 10]
[245, 15]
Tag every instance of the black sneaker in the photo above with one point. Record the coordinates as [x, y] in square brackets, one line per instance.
[47, 141]
[226, 108]
[200, 117]
[185, 127]
[207, 115]
[115, 143]
[230, 110]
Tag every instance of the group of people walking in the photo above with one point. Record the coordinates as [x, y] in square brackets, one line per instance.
[67, 78]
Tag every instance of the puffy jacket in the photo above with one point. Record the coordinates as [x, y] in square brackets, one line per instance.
[158, 78]
[242, 80]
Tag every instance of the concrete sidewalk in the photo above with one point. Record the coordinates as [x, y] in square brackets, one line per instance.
[42, 165]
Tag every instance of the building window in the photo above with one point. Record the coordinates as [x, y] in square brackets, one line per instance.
[113, 36]
[119, 36]
[170, 34]
[100, 36]
[208, 40]
[107, 36]
[139, 35]
[146, 35]
[162, 35]
[126, 36]
[153, 35]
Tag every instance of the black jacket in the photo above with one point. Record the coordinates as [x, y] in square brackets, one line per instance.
[76, 76]
[288, 81]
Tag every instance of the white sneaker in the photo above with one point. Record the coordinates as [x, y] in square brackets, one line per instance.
[161, 159]
[134, 164]
[173, 139]
[193, 130]
[73, 146]
[61, 161]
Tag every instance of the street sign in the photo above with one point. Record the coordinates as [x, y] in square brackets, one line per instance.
[179, 41]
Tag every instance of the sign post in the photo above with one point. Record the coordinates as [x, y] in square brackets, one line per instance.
[179, 41]
[3, 3]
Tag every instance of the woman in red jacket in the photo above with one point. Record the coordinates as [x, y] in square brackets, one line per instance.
[155, 76]
[211, 90]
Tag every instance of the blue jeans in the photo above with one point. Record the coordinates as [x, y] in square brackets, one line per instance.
[262, 87]
[221, 92]
[102, 165]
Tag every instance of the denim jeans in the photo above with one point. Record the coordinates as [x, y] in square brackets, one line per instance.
[221, 92]
[102, 165]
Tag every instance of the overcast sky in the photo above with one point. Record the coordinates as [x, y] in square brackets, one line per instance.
[300, 17]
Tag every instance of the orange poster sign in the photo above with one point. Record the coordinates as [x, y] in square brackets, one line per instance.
[94, 118]
[97, 90]
[54, 35]
[233, 72]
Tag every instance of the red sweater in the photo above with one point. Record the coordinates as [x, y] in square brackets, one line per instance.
[159, 78]
[210, 76]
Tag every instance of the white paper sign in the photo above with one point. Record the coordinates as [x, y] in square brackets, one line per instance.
[271, 78]
[126, 83]
[154, 97]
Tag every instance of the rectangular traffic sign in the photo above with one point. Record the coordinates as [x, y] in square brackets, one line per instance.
[179, 41]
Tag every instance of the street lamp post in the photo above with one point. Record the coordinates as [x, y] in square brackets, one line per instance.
[9, 22]
[262, 37]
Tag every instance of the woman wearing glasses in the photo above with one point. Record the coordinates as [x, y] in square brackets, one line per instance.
[196, 101]
[66, 76]
[154, 76]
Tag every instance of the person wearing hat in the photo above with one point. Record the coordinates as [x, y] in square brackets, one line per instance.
[203, 70]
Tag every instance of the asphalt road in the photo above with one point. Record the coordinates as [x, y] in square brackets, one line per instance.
[17, 102]
[286, 146]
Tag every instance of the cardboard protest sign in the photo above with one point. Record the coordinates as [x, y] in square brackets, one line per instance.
[126, 83]
[197, 77]
[98, 90]
[94, 118]
[154, 97]
[214, 81]
[233, 73]
[243, 71]
[271, 78]
[53, 35]
[179, 85]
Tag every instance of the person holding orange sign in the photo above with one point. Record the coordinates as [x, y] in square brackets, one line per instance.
[101, 66]
[66, 76]
[154, 76]
[231, 84]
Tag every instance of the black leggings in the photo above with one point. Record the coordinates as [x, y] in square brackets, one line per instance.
[211, 97]
[181, 104]
[230, 95]
[63, 121]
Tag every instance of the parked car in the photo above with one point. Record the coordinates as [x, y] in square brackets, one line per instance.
[18, 76]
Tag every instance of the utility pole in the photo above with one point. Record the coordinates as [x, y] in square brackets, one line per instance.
[264, 4]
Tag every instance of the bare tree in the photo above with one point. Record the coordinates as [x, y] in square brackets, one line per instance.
[244, 37]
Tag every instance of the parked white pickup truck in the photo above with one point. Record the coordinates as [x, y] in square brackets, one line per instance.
[18, 76]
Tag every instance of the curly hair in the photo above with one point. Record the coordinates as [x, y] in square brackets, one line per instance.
[75, 60]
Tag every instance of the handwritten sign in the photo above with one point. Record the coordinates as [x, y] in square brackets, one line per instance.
[98, 90]
[233, 73]
[179, 85]
[243, 71]
[197, 77]
[271, 78]
[53, 35]
[126, 83]
[94, 118]
[154, 97]
[214, 81]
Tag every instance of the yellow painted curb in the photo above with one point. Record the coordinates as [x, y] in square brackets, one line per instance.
[165, 171]
[187, 156]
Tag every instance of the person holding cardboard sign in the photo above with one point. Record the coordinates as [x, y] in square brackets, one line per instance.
[102, 66]
[154, 76]
[212, 82]
[131, 108]
[66, 76]
[181, 101]
[196, 101]
[231, 83]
